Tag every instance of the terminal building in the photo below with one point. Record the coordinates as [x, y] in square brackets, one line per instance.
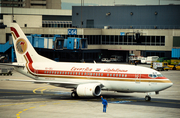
[150, 30]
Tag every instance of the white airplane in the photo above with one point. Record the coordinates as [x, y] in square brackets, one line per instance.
[84, 79]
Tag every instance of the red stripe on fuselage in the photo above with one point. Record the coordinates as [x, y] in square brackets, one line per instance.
[15, 31]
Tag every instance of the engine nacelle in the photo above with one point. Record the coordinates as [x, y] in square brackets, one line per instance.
[91, 89]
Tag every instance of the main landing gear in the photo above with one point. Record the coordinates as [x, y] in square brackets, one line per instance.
[74, 94]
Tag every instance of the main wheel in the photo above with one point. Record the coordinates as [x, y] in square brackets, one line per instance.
[147, 98]
[74, 94]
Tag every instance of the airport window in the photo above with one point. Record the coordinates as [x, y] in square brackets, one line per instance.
[125, 40]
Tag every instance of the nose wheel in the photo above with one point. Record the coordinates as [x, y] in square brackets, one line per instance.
[147, 98]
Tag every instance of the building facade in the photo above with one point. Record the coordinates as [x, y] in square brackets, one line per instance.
[110, 30]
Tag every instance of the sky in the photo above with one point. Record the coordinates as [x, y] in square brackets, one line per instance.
[67, 4]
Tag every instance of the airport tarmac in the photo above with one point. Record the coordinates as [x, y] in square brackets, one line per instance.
[27, 100]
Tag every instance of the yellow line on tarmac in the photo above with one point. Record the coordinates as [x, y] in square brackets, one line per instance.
[18, 114]
[43, 89]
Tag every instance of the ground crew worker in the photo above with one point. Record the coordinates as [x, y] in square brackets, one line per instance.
[105, 104]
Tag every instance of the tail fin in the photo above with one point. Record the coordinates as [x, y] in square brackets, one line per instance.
[23, 47]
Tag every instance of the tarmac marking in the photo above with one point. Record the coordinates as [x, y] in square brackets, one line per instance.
[43, 89]
[18, 114]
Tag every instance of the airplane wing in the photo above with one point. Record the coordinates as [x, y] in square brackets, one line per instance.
[12, 64]
[54, 83]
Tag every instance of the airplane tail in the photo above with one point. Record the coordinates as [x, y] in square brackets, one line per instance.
[23, 48]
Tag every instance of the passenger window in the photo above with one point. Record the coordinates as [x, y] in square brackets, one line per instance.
[110, 74]
[150, 75]
[116, 75]
[84, 73]
[90, 73]
[57, 72]
[47, 71]
[52, 72]
[113, 74]
[125, 75]
[119, 75]
[63, 73]
[101, 74]
[44, 71]
[122, 75]
[107, 74]
[81, 73]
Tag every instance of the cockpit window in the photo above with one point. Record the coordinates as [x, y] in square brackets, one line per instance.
[153, 75]
[150, 75]
[160, 75]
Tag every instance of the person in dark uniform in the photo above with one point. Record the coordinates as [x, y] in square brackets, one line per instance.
[105, 104]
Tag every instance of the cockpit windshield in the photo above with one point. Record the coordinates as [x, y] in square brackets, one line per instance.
[155, 75]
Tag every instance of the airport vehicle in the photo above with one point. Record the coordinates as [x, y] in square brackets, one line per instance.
[105, 60]
[160, 66]
[5, 71]
[84, 79]
[143, 60]
[151, 59]
[116, 58]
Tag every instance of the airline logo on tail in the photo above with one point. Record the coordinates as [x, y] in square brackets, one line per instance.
[21, 46]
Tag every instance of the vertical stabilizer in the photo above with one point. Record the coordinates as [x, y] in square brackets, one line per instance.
[23, 46]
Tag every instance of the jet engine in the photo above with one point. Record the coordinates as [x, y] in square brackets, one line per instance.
[90, 89]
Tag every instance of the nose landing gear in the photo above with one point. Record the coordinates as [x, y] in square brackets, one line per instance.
[147, 98]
